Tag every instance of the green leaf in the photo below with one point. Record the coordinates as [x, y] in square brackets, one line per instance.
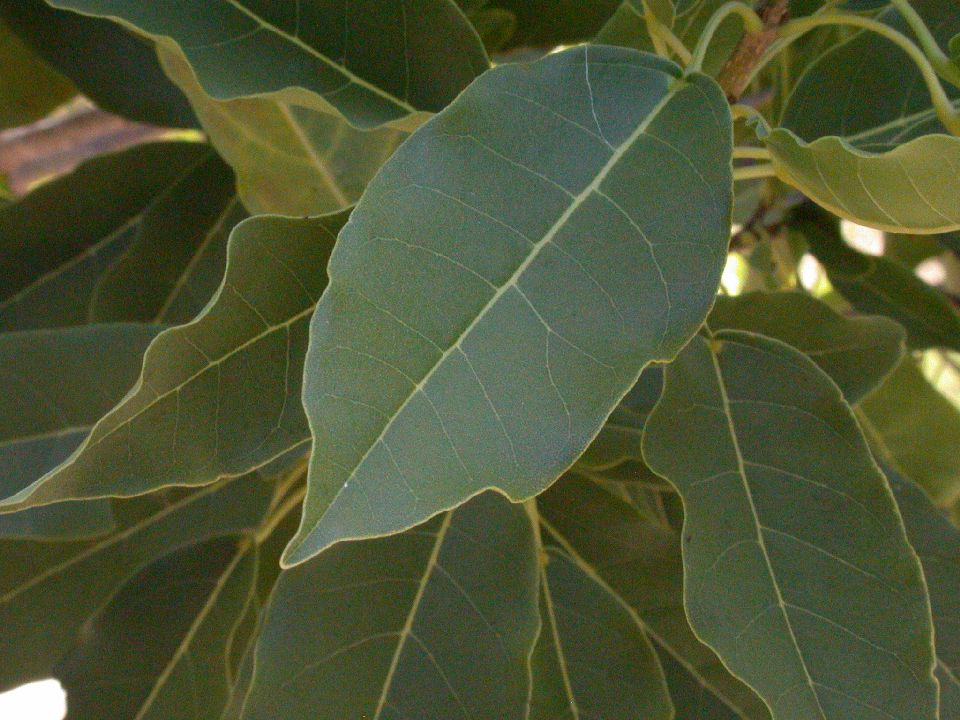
[29, 88]
[438, 622]
[48, 591]
[442, 360]
[858, 353]
[182, 230]
[289, 160]
[187, 604]
[911, 188]
[639, 562]
[220, 395]
[796, 565]
[112, 67]
[920, 430]
[126, 202]
[880, 285]
[374, 61]
[619, 439]
[692, 699]
[592, 659]
[57, 384]
[857, 127]
[937, 543]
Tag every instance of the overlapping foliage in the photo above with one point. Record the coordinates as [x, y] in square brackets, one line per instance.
[420, 372]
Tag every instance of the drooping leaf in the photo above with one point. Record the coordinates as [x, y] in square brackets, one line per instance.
[592, 658]
[374, 61]
[57, 384]
[47, 590]
[58, 241]
[186, 603]
[112, 67]
[619, 439]
[920, 430]
[858, 353]
[937, 542]
[435, 623]
[797, 570]
[289, 160]
[861, 138]
[876, 284]
[29, 88]
[220, 395]
[442, 359]
[639, 561]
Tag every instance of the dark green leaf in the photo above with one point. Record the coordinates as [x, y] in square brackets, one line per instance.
[57, 384]
[856, 352]
[375, 61]
[58, 242]
[115, 69]
[186, 605]
[436, 623]
[592, 660]
[640, 562]
[47, 591]
[442, 359]
[29, 88]
[220, 395]
[796, 564]
[937, 543]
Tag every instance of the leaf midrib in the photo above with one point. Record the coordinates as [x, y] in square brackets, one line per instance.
[407, 628]
[512, 282]
[741, 471]
[349, 75]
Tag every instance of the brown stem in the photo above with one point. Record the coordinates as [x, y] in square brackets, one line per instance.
[735, 75]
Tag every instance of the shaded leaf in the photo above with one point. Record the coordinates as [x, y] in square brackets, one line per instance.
[858, 353]
[29, 88]
[619, 439]
[937, 542]
[186, 604]
[220, 395]
[435, 623]
[48, 277]
[180, 232]
[47, 591]
[442, 359]
[57, 384]
[876, 284]
[375, 61]
[920, 430]
[797, 570]
[640, 562]
[692, 699]
[289, 160]
[112, 67]
[592, 658]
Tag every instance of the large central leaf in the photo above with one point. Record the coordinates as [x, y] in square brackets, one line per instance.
[504, 280]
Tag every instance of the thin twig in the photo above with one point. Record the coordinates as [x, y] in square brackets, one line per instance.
[735, 75]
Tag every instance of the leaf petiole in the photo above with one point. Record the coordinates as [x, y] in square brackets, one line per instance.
[751, 24]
